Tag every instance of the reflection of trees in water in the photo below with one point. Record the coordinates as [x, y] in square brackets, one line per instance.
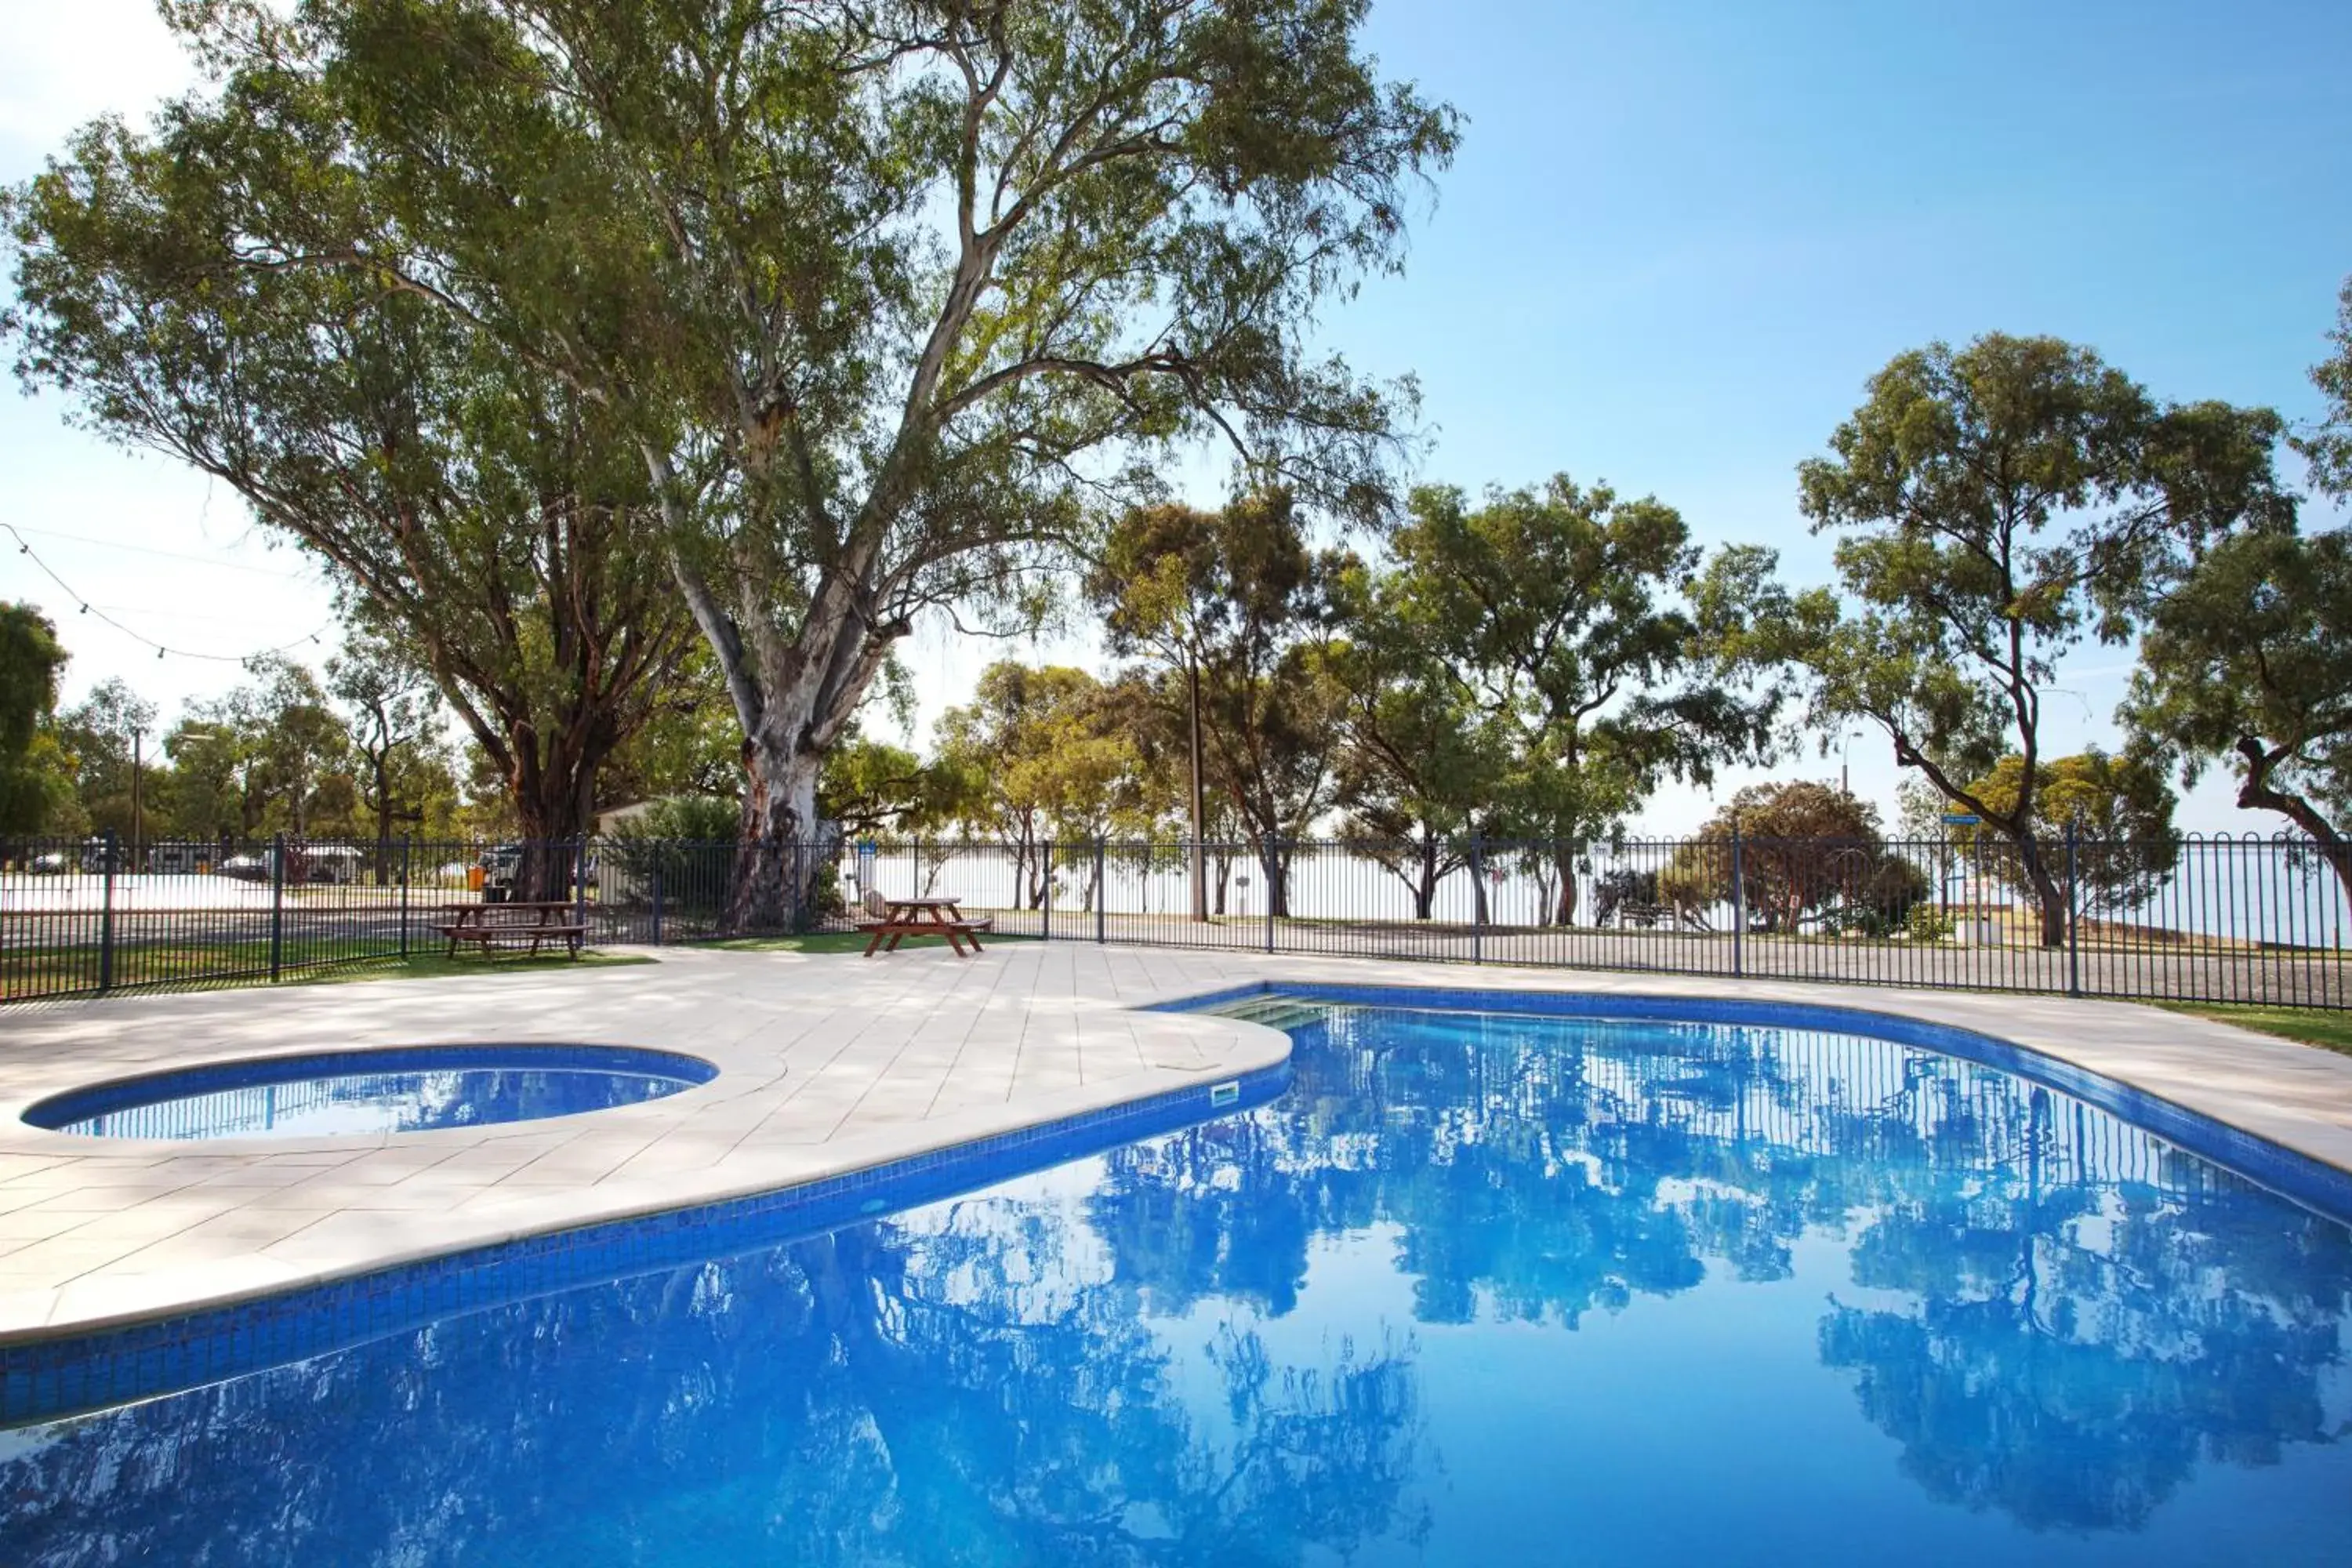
[2070, 1352]
[2086, 1313]
[963, 1394]
[2056, 1317]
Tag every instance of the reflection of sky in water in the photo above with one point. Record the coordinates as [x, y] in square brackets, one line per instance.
[382, 1102]
[1477, 1290]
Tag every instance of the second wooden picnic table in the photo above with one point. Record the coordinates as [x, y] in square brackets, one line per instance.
[514, 921]
[903, 918]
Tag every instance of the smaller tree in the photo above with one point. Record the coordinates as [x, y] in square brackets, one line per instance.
[1051, 765]
[2118, 811]
[1808, 854]
[101, 734]
[1588, 635]
[1417, 767]
[1227, 600]
[2249, 658]
[1999, 505]
[393, 736]
[34, 780]
[872, 787]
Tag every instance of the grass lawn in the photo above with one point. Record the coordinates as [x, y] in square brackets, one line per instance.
[440, 966]
[2329, 1031]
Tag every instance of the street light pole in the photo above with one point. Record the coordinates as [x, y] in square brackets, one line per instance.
[1200, 867]
[136, 736]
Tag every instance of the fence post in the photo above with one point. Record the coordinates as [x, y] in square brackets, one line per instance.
[1271, 870]
[1102, 853]
[1739, 904]
[1478, 898]
[1045, 905]
[106, 915]
[580, 884]
[915, 888]
[407, 847]
[2073, 915]
[276, 905]
[658, 857]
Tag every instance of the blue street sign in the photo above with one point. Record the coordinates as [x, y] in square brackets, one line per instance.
[1961, 818]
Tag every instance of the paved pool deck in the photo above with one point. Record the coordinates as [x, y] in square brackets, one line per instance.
[828, 1063]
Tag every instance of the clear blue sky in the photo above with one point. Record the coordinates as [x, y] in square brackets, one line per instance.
[1676, 241]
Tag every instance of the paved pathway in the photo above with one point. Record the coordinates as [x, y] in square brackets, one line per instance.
[827, 1063]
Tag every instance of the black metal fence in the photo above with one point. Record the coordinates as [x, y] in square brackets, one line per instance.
[2204, 920]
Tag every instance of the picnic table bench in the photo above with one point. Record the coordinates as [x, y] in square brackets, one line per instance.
[504, 924]
[895, 920]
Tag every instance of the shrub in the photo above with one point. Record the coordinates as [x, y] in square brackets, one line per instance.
[1928, 923]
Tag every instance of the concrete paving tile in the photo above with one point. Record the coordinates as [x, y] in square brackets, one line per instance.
[827, 1064]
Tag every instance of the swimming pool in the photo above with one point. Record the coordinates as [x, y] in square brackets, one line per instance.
[1479, 1288]
[397, 1089]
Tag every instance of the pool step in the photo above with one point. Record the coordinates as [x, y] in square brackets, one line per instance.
[1273, 1010]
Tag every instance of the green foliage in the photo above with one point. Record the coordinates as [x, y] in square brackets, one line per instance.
[686, 818]
[35, 781]
[99, 735]
[1996, 506]
[1418, 770]
[404, 780]
[2120, 810]
[1040, 757]
[682, 845]
[1552, 618]
[1809, 856]
[2329, 446]
[2248, 656]
[1233, 597]
[871, 787]
[885, 301]
[1928, 923]
[478, 510]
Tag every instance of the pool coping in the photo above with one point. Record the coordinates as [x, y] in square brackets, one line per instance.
[2319, 1185]
[1041, 1033]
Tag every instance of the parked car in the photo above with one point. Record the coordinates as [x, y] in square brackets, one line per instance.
[313, 863]
[501, 865]
[502, 869]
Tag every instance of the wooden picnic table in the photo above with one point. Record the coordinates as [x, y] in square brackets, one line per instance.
[514, 921]
[898, 919]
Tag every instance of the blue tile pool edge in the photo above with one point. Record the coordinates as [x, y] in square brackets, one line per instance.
[2300, 1178]
[45, 1378]
[107, 1096]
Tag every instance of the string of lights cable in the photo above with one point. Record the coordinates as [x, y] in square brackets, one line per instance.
[161, 649]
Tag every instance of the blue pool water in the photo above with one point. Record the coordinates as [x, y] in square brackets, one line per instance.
[377, 1092]
[1477, 1288]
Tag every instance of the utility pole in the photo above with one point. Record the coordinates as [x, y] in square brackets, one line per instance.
[136, 735]
[1199, 852]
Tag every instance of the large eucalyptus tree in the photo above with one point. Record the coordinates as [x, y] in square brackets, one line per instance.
[494, 520]
[889, 296]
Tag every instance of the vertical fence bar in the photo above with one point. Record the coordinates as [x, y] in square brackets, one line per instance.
[2074, 913]
[1045, 905]
[1478, 898]
[657, 859]
[407, 869]
[105, 914]
[1102, 927]
[1271, 872]
[277, 906]
[580, 885]
[1739, 904]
